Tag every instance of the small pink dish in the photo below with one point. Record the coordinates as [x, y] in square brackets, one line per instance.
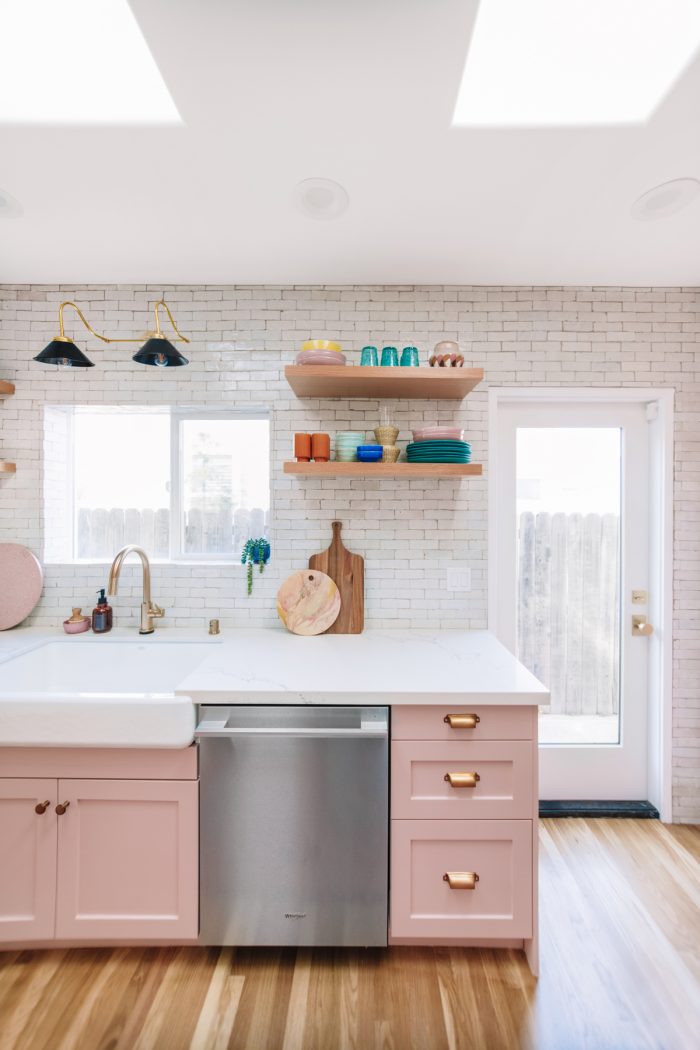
[320, 357]
[438, 434]
[78, 623]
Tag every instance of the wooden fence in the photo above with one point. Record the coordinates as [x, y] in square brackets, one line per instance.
[102, 532]
[568, 600]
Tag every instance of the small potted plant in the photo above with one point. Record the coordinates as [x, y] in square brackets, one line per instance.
[255, 552]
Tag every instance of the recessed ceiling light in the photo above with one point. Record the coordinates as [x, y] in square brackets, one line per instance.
[321, 198]
[666, 199]
[582, 62]
[10, 208]
[78, 62]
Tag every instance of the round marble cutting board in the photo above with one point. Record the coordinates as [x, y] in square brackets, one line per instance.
[308, 602]
[21, 580]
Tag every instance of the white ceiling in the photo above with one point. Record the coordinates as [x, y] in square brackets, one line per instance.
[275, 91]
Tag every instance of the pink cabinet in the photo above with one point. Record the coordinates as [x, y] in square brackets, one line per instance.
[461, 878]
[464, 826]
[103, 860]
[127, 860]
[27, 859]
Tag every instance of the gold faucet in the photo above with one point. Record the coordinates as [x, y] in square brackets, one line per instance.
[149, 609]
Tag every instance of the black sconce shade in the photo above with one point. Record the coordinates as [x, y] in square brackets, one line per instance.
[64, 353]
[160, 352]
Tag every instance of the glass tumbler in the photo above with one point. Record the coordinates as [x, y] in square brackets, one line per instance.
[390, 356]
[409, 357]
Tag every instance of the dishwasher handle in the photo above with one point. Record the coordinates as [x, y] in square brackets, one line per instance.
[210, 727]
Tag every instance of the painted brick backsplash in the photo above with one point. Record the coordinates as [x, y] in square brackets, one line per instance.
[408, 531]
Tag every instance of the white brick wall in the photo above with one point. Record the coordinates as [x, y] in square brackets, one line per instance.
[408, 531]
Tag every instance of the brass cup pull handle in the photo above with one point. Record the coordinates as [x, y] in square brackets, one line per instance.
[62, 807]
[41, 807]
[462, 780]
[462, 721]
[461, 880]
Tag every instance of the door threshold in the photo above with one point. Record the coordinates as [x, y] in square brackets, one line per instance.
[577, 808]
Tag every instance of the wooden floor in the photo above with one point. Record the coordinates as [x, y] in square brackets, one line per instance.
[620, 905]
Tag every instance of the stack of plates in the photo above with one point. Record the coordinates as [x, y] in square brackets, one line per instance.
[319, 357]
[438, 451]
[346, 443]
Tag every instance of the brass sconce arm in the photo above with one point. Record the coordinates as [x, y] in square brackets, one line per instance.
[83, 318]
[161, 302]
[110, 339]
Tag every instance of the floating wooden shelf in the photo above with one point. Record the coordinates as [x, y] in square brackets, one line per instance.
[6, 387]
[6, 467]
[383, 470]
[357, 381]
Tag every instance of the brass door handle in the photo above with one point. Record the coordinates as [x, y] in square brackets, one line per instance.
[62, 807]
[640, 627]
[41, 807]
[461, 721]
[462, 780]
[461, 880]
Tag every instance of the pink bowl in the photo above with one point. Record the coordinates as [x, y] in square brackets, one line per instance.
[320, 357]
[438, 434]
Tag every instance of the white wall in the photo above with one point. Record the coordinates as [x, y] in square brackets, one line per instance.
[408, 531]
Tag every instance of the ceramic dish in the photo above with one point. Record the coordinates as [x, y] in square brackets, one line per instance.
[369, 454]
[321, 344]
[319, 357]
[431, 433]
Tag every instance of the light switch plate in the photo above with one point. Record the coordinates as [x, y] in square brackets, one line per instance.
[459, 579]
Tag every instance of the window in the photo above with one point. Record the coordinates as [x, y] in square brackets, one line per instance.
[182, 483]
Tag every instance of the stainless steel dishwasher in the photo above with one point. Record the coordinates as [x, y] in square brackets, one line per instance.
[294, 824]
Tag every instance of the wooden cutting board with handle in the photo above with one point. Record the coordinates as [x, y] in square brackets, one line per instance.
[348, 572]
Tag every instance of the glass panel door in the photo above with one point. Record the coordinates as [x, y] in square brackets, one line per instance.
[568, 503]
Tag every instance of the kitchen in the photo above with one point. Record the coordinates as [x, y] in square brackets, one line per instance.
[121, 453]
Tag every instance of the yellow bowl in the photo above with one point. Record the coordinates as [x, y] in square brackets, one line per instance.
[320, 344]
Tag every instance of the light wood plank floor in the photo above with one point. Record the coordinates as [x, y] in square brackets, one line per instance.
[620, 904]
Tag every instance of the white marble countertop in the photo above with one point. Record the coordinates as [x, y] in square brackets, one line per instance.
[377, 666]
[272, 666]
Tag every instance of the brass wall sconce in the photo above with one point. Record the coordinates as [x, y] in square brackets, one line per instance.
[156, 349]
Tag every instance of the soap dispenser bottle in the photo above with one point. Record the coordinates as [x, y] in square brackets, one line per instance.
[102, 615]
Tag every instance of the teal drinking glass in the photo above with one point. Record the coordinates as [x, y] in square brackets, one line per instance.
[369, 356]
[390, 356]
[409, 357]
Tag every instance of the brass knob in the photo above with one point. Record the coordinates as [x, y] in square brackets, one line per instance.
[62, 807]
[462, 780]
[462, 721]
[640, 627]
[42, 807]
[461, 880]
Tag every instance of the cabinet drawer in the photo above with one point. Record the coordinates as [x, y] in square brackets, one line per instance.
[469, 779]
[489, 723]
[423, 904]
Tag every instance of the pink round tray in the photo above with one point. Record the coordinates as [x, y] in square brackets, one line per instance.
[21, 580]
[320, 357]
[438, 434]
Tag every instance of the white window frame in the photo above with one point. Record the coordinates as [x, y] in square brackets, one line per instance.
[178, 415]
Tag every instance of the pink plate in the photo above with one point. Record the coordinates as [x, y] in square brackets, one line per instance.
[320, 357]
[21, 580]
[438, 434]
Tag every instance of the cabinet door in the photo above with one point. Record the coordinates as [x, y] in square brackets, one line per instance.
[127, 859]
[27, 859]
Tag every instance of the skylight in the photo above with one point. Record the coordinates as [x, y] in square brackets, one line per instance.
[574, 62]
[78, 62]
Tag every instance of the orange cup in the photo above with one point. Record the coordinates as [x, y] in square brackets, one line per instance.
[302, 447]
[321, 447]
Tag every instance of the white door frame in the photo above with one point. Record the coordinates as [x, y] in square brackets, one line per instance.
[660, 608]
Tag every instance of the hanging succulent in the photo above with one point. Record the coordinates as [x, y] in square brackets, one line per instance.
[255, 552]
